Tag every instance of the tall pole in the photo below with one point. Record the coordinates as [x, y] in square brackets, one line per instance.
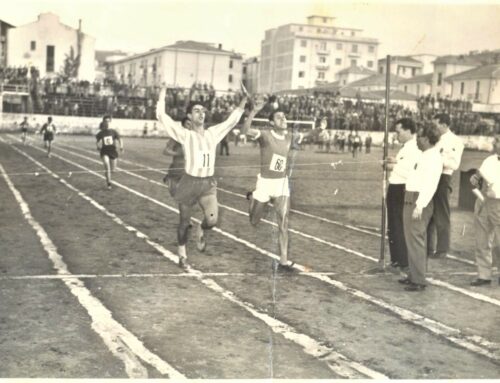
[386, 149]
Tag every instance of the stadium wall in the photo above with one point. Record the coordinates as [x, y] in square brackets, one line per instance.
[134, 128]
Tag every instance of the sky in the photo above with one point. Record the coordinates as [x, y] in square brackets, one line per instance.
[402, 27]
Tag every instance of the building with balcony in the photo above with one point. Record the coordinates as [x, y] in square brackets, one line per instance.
[401, 66]
[46, 43]
[4, 27]
[480, 85]
[180, 65]
[299, 56]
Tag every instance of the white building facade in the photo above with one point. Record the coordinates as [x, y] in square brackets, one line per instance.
[181, 65]
[480, 85]
[251, 71]
[298, 56]
[401, 66]
[46, 43]
[418, 85]
[446, 66]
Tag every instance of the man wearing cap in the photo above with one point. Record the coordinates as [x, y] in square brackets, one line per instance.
[487, 215]
[451, 148]
[421, 185]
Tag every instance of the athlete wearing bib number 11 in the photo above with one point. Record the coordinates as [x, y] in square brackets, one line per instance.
[272, 181]
[106, 144]
[197, 185]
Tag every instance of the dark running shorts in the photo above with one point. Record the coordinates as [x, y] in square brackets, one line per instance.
[110, 152]
[191, 189]
[24, 130]
[48, 136]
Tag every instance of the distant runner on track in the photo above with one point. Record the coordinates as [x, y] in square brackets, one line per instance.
[106, 141]
[48, 130]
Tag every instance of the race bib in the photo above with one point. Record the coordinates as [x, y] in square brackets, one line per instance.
[108, 140]
[204, 160]
[50, 129]
[278, 163]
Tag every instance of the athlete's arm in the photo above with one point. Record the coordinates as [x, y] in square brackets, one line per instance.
[169, 148]
[247, 129]
[174, 129]
[220, 131]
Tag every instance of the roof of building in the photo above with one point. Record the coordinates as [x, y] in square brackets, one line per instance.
[356, 70]
[186, 45]
[485, 71]
[402, 58]
[422, 78]
[458, 59]
[5, 22]
[376, 79]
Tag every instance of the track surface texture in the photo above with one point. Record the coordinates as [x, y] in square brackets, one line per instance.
[90, 288]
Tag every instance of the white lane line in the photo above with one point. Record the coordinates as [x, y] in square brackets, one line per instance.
[474, 343]
[312, 216]
[122, 344]
[436, 282]
[96, 276]
[337, 362]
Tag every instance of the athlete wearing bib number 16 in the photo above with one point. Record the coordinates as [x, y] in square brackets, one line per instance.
[106, 144]
[272, 181]
[197, 185]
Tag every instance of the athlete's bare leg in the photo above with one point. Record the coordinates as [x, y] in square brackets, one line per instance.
[107, 168]
[210, 209]
[282, 208]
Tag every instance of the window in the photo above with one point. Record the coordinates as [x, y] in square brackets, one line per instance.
[418, 90]
[462, 86]
[230, 79]
[321, 75]
[354, 48]
[413, 71]
[370, 64]
[353, 33]
[303, 43]
[406, 88]
[244, 70]
[371, 48]
[318, 30]
[301, 29]
[302, 59]
[381, 70]
[325, 20]
[440, 78]
[322, 46]
[338, 61]
[478, 84]
[49, 63]
[230, 64]
[354, 62]
[33, 45]
[302, 74]
[322, 59]
[403, 70]
[339, 46]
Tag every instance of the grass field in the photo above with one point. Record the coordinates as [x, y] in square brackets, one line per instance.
[90, 287]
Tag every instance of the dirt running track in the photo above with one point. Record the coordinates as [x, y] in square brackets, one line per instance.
[89, 287]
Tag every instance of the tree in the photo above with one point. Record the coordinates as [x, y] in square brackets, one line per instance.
[70, 67]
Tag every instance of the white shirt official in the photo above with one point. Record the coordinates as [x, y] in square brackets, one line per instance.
[451, 148]
[490, 172]
[406, 159]
[425, 175]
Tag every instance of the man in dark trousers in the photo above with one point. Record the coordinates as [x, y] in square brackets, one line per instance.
[400, 166]
[451, 148]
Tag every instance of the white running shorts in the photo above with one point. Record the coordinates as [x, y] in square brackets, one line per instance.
[268, 188]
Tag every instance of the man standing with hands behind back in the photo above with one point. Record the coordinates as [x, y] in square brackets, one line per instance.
[451, 148]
